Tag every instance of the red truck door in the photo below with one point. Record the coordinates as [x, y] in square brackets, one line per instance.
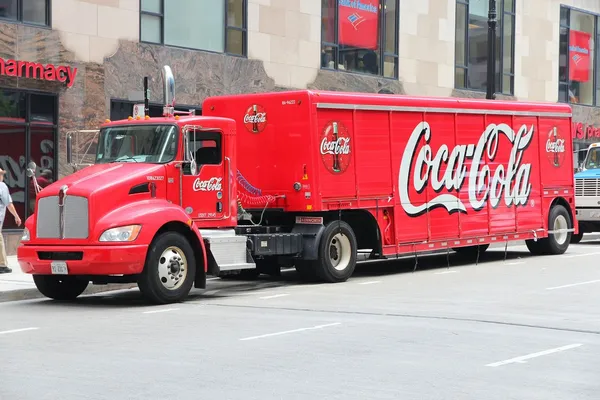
[205, 191]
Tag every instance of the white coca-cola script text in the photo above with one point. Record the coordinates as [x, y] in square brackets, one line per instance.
[509, 182]
[335, 147]
[211, 185]
[557, 146]
[259, 118]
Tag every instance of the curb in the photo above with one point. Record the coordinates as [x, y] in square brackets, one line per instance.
[33, 293]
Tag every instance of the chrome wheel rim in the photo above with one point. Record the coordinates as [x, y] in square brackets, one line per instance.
[560, 226]
[340, 251]
[172, 268]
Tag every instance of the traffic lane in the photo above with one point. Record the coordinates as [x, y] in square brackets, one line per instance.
[537, 291]
[287, 354]
[493, 289]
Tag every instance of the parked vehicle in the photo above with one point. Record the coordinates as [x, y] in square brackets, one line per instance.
[587, 194]
[305, 178]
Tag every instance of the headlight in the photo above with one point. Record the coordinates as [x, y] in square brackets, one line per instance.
[26, 235]
[121, 234]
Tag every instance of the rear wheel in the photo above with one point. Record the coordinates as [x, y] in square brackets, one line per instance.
[557, 242]
[60, 287]
[170, 269]
[337, 253]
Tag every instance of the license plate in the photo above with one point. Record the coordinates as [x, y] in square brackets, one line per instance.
[59, 268]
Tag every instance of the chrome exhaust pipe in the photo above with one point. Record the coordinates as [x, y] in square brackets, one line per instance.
[169, 91]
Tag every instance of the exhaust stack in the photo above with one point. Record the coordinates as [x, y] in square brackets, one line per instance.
[169, 91]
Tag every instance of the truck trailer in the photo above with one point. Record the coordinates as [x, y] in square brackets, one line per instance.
[300, 178]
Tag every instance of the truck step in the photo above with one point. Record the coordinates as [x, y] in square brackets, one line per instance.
[228, 249]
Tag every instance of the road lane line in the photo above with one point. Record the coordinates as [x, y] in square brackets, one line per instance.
[213, 279]
[292, 331]
[160, 311]
[534, 355]
[446, 272]
[274, 296]
[369, 283]
[18, 330]
[573, 284]
[516, 263]
[580, 254]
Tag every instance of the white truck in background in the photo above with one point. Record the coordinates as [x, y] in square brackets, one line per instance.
[587, 193]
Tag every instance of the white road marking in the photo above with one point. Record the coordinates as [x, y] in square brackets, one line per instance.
[213, 279]
[161, 311]
[573, 284]
[292, 331]
[274, 296]
[446, 272]
[369, 283]
[18, 330]
[516, 263]
[580, 255]
[534, 355]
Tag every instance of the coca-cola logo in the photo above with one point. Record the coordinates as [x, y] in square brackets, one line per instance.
[495, 172]
[335, 147]
[555, 148]
[211, 185]
[255, 119]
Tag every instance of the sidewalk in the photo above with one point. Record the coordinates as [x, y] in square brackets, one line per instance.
[19, 286]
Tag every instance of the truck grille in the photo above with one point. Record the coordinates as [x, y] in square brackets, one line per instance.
[587, 187]
[75, 214]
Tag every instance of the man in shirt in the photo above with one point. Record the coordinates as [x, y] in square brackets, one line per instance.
[5, 202]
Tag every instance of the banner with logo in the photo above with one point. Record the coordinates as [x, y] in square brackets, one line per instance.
[579, 56]
[359, 23]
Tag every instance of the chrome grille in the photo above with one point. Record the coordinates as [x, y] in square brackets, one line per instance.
[587, 187]
[76, 218]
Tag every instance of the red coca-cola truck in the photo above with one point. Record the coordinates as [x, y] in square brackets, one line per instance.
[304, 178]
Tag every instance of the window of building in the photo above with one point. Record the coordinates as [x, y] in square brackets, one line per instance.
[28, 132]
[360, 36]
[35, 12]
[211, 25]
[579, 75]
[122, 109]
[471, 51]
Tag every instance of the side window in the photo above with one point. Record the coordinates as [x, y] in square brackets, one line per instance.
[206, 148]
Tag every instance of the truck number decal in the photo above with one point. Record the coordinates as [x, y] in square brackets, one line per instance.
[510, 182]
[211, 185]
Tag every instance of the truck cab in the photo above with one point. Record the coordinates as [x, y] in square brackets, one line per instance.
[587, 194]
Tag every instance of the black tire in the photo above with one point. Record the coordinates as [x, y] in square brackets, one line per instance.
[555, 243]
[471, 251]
[576, 238]
[329, 250]
[150, 282]
[62, 288]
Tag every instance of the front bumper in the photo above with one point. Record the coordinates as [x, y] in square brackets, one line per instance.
[587, 214]
[83, 260]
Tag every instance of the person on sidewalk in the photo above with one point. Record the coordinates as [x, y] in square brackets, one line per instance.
[5, 202]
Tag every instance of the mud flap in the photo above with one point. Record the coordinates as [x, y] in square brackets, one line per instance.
[311, 236]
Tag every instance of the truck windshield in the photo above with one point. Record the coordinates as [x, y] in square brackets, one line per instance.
[592, 161]
[137, 143]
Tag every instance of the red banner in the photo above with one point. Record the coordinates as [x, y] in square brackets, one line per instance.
[359, 23]
[579, 56]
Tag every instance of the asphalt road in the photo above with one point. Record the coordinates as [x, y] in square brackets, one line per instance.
[524, 328]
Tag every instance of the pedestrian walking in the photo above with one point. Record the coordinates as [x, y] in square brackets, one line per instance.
[5, 202]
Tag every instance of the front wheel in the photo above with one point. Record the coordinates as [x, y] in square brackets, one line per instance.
[170, 269]
[60, 287]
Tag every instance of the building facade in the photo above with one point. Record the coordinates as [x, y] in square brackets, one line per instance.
[67, 65]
